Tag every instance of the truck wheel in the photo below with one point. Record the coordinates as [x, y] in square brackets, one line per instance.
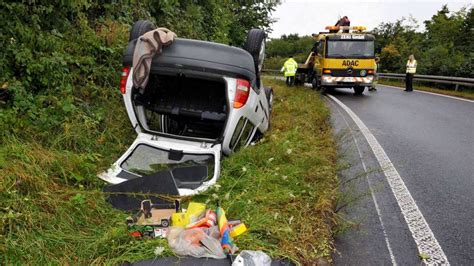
[139, 28]
[314, 84]
[255, 45]
[359, 90]
[326, 90]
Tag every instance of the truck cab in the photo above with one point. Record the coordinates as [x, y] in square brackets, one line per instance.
[343, 57]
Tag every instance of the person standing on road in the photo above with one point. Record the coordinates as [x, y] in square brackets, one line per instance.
[411, 70]
[289, 68]
[376, 75]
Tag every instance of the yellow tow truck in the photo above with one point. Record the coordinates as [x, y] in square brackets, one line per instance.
[342, 57]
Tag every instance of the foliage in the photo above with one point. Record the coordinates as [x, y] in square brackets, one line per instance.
[289, 45]
[59, 67]
[222, 21]
[445, 47]
[278, 50]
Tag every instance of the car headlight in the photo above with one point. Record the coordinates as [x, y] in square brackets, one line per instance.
[363, 72]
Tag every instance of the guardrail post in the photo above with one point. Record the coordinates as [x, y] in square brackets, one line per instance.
[457, 87]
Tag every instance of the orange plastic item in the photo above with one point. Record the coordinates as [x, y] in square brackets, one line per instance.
[136, 234]
[207, 221]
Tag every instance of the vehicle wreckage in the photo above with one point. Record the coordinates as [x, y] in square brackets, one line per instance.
[202, 100]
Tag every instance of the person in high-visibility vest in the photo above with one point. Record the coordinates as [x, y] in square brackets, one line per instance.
[289, 67]
[376, 75]
[411, 70]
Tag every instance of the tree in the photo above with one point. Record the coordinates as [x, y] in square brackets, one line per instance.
[444, 47]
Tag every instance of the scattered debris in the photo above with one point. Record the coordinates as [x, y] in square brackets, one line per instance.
[250, 257]
[152, 220]
[195, 231]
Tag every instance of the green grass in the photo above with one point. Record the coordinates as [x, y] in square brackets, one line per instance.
[467, 94]
[284, 188]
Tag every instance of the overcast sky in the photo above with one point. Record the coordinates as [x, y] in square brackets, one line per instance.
[311, 16]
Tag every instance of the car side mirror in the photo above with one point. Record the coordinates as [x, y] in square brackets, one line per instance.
[316, 48]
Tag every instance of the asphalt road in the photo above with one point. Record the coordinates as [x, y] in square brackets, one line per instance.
[430, 141]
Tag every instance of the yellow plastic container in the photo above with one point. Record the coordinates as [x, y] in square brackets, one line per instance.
[195, 211]
[179, 219]
[238, 230]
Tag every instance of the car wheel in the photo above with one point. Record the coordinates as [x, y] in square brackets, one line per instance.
[255, 45]
[359, 90]
[165, 223]
[139, 28]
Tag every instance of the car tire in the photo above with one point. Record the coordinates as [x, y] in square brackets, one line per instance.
[255, 45]
[269, 95]
[139, 28]
[165, 223]
[359, 90]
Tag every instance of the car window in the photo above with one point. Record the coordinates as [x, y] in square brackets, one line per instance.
[237, 131]
[147, 160]
[246, 133]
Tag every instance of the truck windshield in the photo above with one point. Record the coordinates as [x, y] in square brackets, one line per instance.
[350, 49]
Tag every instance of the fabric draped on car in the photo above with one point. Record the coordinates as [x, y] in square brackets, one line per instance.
[148, 46]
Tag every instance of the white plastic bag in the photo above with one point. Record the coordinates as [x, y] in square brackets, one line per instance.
[194, 242]
[252, 258]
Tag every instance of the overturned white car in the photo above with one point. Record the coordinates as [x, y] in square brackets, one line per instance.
[202, 99]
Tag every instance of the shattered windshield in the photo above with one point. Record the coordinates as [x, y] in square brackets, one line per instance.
[147, 160]
[350, 49]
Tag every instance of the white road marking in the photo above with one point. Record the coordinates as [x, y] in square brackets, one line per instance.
[419, 228]
[432, 93]
[387, 241]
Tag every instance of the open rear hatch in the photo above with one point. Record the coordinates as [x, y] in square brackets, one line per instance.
[193, 166]
[184, 106]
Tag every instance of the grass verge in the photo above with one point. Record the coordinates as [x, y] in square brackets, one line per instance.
[283, 188]
[466, 94]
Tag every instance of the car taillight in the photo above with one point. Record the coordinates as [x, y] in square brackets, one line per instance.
[370, 71]
[242, 93]
[123, 79]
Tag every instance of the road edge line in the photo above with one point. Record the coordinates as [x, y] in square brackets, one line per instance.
[419, 228]
[374, 199]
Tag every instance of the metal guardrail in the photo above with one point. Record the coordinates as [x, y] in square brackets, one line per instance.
[435, 79]
[273, 71]
[469, 82]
